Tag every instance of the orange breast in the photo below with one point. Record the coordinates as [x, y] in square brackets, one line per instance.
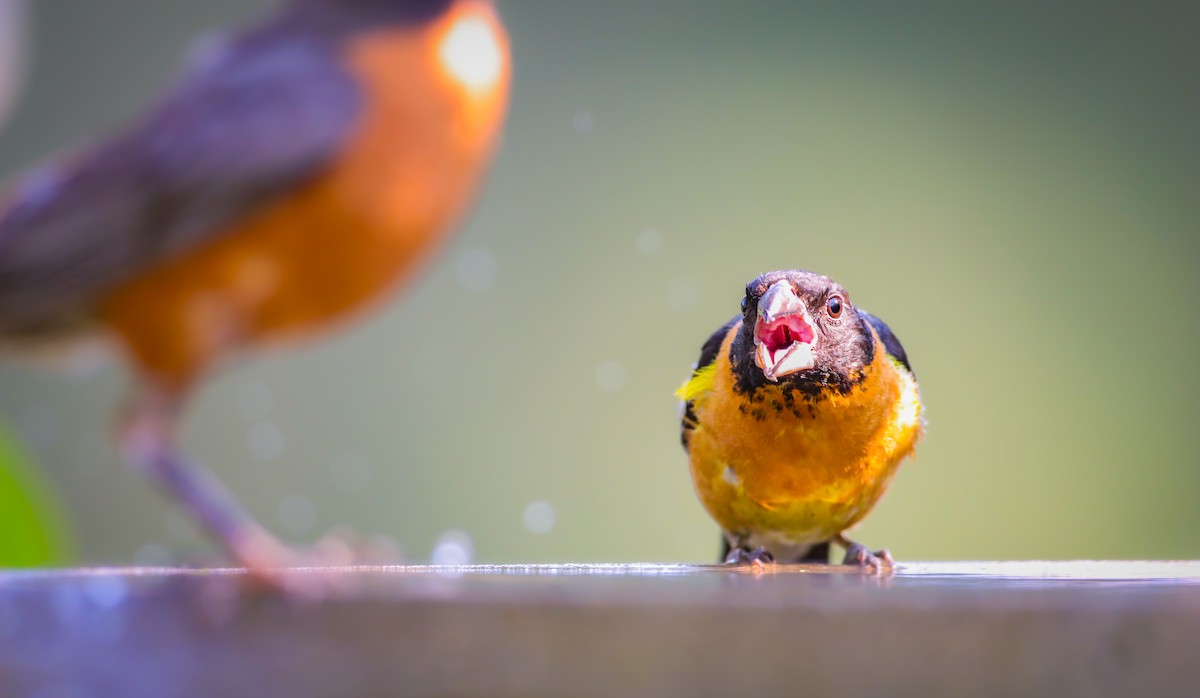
[794, 480]
[405, 176]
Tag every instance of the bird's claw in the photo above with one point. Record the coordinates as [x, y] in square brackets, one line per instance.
[755, 558]
[858, 555]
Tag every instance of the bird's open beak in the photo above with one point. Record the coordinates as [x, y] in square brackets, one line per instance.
[784, 335]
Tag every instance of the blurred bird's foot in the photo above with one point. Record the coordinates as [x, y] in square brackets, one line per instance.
[342, 547]
[757, 557]
[321, 571]
[859, 555]
[147, 441]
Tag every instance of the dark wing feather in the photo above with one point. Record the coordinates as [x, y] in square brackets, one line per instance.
[891, 343]
[708, 354]
[258, 117]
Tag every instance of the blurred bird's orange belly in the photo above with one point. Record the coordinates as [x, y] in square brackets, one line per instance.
[785, 475]
[336, 243]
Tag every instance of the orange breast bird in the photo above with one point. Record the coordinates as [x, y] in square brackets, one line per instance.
[796, 418]
[298, 171]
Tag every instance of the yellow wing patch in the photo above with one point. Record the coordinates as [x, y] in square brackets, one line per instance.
[701, 382]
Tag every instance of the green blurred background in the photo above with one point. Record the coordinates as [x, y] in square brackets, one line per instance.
[1012, 186]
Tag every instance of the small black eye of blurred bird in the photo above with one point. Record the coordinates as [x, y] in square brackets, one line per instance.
[298, 172]
[795, 419]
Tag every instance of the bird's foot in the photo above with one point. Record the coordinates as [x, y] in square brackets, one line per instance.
[756, 558]
[315, 573]
[859, 555]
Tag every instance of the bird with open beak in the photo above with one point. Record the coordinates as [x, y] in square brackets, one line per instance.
[795, 419]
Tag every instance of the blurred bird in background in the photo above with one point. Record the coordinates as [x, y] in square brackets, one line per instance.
[796, 417]
[299, 171]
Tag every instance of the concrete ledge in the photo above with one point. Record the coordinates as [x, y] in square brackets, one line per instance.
[978, 629]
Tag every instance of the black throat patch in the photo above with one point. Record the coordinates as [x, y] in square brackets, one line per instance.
[832, 374]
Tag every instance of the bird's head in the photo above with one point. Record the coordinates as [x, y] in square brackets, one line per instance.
[800, 329]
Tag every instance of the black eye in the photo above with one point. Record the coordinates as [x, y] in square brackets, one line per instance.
[834, 306]
[745, 303]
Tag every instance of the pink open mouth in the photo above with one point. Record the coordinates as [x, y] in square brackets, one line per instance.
[780, 335]
[784, 337]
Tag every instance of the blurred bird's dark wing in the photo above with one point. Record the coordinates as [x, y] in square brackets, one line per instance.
[891, 343]
[708, 354]
[256, 118]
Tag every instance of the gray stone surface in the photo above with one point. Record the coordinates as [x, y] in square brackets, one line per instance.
[963, 629]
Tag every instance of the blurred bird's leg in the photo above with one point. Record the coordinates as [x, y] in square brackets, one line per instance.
[149, 447]
[860, 555]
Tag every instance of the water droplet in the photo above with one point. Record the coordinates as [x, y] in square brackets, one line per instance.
[583, 121]
[265, 441]
[610, 376]
[297, 514]
[476, 269]
[684, 295]
[539, 517]
[649, 241]
[453, 547]
[254, 401]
